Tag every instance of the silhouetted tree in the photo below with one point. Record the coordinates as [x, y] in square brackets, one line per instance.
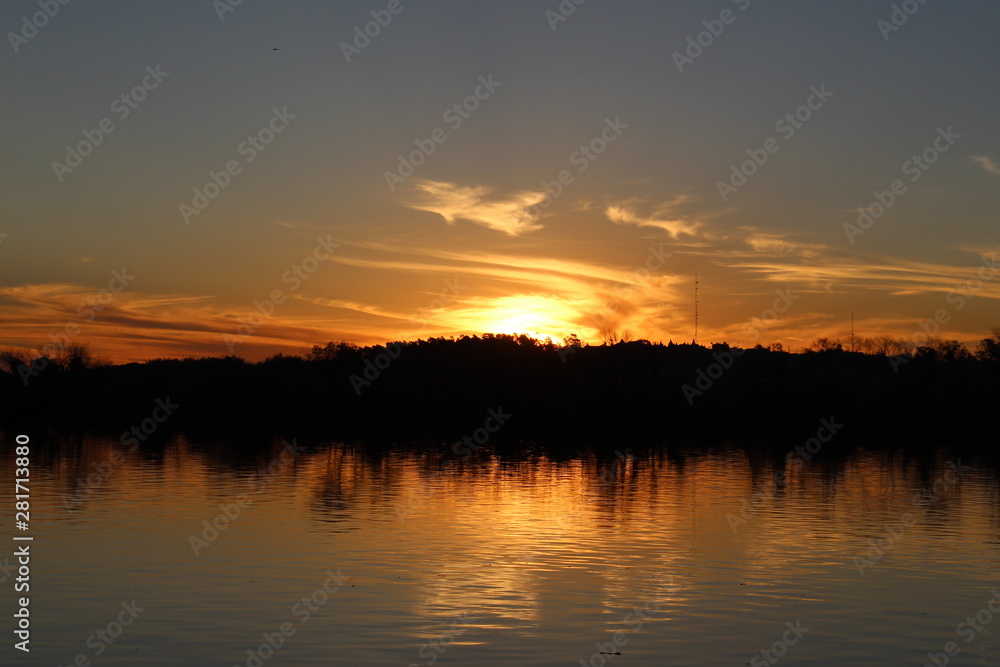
[826, 345]
[989, 348]
[333, 351]
[11, 359]
[439, 388]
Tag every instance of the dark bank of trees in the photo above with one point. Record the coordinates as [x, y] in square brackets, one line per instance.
[443, 389]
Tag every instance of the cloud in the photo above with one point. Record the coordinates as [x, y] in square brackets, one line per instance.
[664, 217]
[658, 305]
[773, 243]
[533, 293]
[987, 163]
[135, 325]
[511, 215]
[534, 272]
[542, 286]
[893, 276]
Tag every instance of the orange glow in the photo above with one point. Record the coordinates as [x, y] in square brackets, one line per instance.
[537, 315]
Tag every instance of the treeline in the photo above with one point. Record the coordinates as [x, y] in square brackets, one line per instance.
[444, 390]
[930, 347]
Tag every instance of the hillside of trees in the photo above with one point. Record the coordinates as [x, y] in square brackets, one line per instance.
[443, 389]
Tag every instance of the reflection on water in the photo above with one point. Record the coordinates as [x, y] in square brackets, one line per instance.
[667, 558]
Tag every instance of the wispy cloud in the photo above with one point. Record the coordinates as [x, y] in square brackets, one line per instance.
[533, 293]
[543, 287]
[836, 272]
[665, 216]
[658, 305]
[136, 325]
[773, 243]
[626, 216]
[987, 163]
[478, 204]
[535, 272]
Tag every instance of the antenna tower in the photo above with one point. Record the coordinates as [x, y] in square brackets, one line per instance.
[696, 309]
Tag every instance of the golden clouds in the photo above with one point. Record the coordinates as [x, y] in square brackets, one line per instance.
[623, 215]
[477, 204]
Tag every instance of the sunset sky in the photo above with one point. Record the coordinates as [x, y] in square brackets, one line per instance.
[641, 124]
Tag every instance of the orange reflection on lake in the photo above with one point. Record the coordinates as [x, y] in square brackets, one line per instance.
[534, 558]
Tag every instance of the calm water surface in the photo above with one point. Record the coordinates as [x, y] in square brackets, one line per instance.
[698, 559]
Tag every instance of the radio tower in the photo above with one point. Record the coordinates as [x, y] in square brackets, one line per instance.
[696, 309]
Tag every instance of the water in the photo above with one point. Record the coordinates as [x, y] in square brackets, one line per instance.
[518, 561]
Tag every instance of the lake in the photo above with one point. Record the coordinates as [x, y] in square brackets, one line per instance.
[205, 552]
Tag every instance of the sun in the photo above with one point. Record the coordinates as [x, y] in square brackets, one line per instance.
[537, 315]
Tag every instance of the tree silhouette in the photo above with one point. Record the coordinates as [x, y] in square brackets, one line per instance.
[439, 388]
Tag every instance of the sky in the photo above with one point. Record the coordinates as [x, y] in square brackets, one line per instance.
[206, 178]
